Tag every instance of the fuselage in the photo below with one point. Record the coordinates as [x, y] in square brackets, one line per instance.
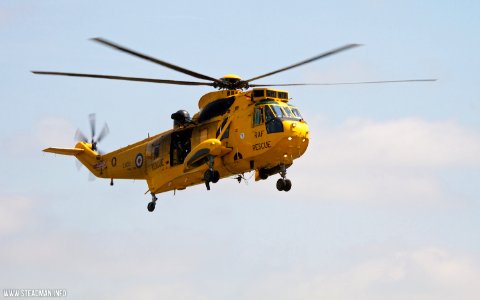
[258, 130]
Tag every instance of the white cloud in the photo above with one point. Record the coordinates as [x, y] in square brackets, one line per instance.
[426, 273]
[402, 143]
[48, 132]
[386, 162]
[161, 290]
[15, 214]
[54, 131]
[146, 267]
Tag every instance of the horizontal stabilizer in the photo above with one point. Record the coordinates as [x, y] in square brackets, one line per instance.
[64, 151]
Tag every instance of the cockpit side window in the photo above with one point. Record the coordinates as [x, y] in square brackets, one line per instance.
[258, 116]
[273, 123]
[269, 115]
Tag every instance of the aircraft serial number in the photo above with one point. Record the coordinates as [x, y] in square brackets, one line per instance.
[158, 164]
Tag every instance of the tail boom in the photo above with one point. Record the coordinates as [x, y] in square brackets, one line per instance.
[83, 152]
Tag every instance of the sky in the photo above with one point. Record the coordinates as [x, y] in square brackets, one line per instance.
[384, 203]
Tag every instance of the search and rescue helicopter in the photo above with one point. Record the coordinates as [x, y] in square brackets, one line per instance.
[236, 130]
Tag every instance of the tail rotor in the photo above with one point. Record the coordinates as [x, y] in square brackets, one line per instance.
[80, 136]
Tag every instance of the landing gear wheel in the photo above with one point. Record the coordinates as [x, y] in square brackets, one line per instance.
[208, 176]
[212, 176]
[151, 206]
[215, 176]
[288, 185]
[284, 184]
[281, 184]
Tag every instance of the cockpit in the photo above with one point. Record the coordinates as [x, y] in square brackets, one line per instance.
[272, 114]
[284, 112]
[272, 108]
[267, 112]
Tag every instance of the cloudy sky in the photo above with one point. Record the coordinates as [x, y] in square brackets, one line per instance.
[384, 204]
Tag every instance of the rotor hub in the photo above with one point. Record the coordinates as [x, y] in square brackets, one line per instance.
[231, 82]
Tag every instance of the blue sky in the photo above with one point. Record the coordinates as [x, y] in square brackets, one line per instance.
[385, 202]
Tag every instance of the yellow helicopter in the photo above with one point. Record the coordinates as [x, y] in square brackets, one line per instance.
[236, 130]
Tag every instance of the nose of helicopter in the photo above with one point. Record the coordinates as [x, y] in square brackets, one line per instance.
[297, 137]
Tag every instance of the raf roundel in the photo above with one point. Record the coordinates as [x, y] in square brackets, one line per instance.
[139, 160]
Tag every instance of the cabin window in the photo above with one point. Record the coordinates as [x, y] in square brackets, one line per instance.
[258, 116]
[226, 134]
[160, 147]
[219, 130]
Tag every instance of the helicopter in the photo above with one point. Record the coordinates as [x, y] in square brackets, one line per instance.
[239, 128]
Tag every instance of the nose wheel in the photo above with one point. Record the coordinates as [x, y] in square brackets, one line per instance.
[284, 184]
[151, 205]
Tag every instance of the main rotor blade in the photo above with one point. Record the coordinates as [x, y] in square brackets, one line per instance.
[155, 60]
[345, 83]
[323, 55]
[166, 81]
